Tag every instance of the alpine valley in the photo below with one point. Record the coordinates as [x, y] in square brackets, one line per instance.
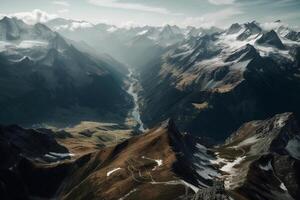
[97, 111]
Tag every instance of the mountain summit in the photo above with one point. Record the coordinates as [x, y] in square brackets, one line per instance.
[271, 39]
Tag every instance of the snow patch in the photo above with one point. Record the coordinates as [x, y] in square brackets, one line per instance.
[282, 186]
[293, 147]
[240, 66]
[3, 45]
[112, 171]
[194, 188]
[248, 141]
[158, 162]
[142, 32]
[127, 195]
[112, 29]
[27, 44]
[177, 182]
[61, 154]
[229, 166]
[207, 172]
[201, 147]
[218, 161]
[267, 167]
[281, 121]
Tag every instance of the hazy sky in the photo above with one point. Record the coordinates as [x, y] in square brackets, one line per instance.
[158, 12]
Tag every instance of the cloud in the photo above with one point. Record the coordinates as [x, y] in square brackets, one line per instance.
[271, 25]
[129, 6]
[36, 16]
[63, 11]
[221, 2]
[212, 19]
[74, 25]
[197, 21]
[61, 3]
[129, 25]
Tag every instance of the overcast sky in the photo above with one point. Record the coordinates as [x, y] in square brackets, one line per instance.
[158, 12]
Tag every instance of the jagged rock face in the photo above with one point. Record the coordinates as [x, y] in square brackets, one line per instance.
[215, 192]
[260, 160]
[234, 28]
[46, 80]
[250, 29]
[30, 143]
[271, 38]
[293, 35]
[219, 79]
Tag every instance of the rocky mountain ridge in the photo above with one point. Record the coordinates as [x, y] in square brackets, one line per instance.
[166, 164]
[226, 78]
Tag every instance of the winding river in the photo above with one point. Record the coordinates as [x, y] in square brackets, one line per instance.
[136, 109]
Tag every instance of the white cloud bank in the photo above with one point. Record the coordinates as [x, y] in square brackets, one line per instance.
[221, 2]
[36, 16]
[63, 11]
[212, 19]
[129, 6]
[61, 3]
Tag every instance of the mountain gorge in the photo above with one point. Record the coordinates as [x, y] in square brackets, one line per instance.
[129, 113]
[201, 77]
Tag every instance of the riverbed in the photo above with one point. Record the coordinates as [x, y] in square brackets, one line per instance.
[135, 113]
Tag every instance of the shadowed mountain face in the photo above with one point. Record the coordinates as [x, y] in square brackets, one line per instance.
[46, 80]
[25, 164]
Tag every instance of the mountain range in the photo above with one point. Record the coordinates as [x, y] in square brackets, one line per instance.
[219, 111]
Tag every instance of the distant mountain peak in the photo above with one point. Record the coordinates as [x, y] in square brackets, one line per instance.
[234, 28]
[245, 53]
[250, 29]
[271, 39]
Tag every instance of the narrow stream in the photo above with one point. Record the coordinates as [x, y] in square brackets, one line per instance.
[136, 109]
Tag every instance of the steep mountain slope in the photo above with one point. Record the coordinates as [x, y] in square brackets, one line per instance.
[46, 80]
[227, 78]
[258, 161]
[261, 159]
[29, 163]
[160, 164]
[150, 166]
